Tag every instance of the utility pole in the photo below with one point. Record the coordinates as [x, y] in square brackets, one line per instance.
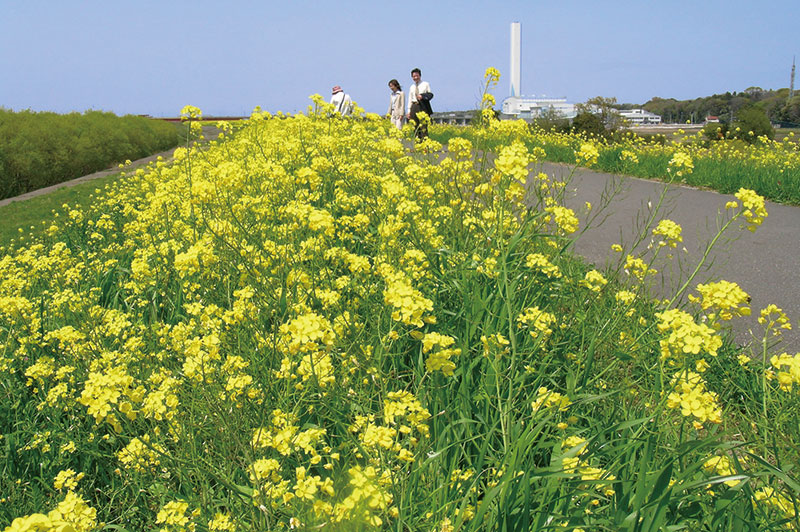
[791, 83]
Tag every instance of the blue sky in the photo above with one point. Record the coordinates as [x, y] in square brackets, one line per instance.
[154, 57]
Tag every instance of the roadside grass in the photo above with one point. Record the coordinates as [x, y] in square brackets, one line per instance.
[770, 168]
[25, 218]
[793, 133]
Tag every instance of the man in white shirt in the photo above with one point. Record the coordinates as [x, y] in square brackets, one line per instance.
[419, 96]
[341, 102]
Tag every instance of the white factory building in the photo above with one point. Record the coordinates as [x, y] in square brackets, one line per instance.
[638, 117]
[529, 106]
[525, 107]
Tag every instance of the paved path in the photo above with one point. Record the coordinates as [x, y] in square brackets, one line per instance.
[765, 264]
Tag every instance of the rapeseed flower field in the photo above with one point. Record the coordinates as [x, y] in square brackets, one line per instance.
[311, 323]
[769, 168]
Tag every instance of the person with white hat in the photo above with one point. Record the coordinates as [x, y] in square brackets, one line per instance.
[341, 102]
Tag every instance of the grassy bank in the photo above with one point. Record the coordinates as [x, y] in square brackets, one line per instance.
[42, 149]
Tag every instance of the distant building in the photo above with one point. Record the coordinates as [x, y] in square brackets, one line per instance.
[528, 108]
[712, 120]
[638, 117]
[518, 106]
[458, 118]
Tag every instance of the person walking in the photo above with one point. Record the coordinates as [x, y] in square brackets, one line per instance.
[396, 104]
[341, 101]
[420, 95]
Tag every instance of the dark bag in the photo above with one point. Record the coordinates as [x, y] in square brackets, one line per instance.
[425, 102]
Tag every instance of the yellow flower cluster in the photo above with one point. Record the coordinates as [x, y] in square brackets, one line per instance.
[72, 514]
[221, 523]
[492, 75]
[513, 161]
[403, 406]
[538, 322]
[771, 497]
[593, 280]
[754, 209]
[564, 217]
[438, 348]
[628, 156]
[67, 479]
[103, 391]
[680, 164]
[369, 499]
[539, 262]
[730, 300]
[689, 394]
[496, 343]
[174, 518]
[774, 319]
[587, 155]
[574, 461]
[788, 370]
[625, 297]
[307, 332]
[546, 398]
[721, 466]
[685, 336]
[190, 112]
[670, 231]
[411, 307]
[638, 268]
[141, 455]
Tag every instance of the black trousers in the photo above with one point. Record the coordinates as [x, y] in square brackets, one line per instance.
[421, 129]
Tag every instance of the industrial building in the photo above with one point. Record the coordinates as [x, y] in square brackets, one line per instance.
[639, 117]
[529, 107]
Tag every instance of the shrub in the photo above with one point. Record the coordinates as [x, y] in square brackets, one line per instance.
[753, 123]
[39, 149]
[589, 123]
[715, 131]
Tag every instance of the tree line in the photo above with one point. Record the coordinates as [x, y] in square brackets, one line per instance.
[775, 104]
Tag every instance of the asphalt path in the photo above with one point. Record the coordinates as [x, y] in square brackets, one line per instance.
[764, 264]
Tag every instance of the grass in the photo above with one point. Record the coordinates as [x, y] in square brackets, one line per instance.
[784, 132]
[34, 214]
[770, 168]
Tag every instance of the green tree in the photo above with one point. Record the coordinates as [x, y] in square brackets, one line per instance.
[589, 123]
[790, 111]
[552, 120]
[715, 131]
[606, 108]
[751, 123]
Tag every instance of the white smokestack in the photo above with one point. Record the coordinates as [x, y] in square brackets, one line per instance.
[514, 89]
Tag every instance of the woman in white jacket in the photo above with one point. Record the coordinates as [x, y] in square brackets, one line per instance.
[396, 104]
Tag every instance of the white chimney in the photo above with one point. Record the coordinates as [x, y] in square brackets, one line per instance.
[514, 89]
